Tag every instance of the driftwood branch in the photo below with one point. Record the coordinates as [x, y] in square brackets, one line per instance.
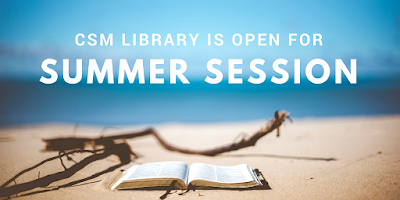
[112, 146]
[62, 144]
[251, 141]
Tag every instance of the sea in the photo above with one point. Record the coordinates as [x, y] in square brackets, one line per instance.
[31, 102]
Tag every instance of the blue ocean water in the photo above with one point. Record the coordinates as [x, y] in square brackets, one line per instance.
[128, 104]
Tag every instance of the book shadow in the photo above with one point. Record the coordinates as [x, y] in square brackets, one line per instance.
[265, 186]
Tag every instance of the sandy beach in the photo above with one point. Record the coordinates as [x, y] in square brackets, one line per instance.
[90, 89]
[314, 158]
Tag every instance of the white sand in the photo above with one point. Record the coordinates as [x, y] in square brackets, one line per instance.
[367, 150]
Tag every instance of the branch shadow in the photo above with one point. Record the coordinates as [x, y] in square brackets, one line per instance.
[280, 156]
[43, 182]
[73, 183]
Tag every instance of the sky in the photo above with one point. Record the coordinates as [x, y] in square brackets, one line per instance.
[33, 31]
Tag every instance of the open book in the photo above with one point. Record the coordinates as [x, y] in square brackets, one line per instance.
[198, 175]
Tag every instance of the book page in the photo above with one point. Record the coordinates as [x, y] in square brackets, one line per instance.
[172, 169]
[220, 174]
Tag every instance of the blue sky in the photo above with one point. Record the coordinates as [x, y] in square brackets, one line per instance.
[368, 31]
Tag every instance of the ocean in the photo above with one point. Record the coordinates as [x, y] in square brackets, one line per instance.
[25, 102]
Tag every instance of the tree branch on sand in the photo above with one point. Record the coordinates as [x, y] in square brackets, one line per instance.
[64, 144]
[115, 145]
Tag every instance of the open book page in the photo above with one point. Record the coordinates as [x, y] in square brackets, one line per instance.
[159, 170]
[220, 174]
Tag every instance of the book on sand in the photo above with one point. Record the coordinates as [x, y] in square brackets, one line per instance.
[197, 175]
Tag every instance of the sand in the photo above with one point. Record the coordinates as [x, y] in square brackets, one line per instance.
[314, 158]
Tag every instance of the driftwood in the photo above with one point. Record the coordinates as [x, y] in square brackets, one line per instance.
[251, 141]
[64, 144]
[114, 145]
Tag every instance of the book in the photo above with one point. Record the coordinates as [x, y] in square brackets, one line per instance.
[183, 177]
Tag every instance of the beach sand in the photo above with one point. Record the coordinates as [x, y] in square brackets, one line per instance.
[314, 158]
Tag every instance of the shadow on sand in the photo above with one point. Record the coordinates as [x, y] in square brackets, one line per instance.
[280, 156]
[121, 150]
[43, 182]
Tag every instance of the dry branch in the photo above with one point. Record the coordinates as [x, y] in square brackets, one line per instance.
[251, 141]
[62, 144]
[69, 146]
